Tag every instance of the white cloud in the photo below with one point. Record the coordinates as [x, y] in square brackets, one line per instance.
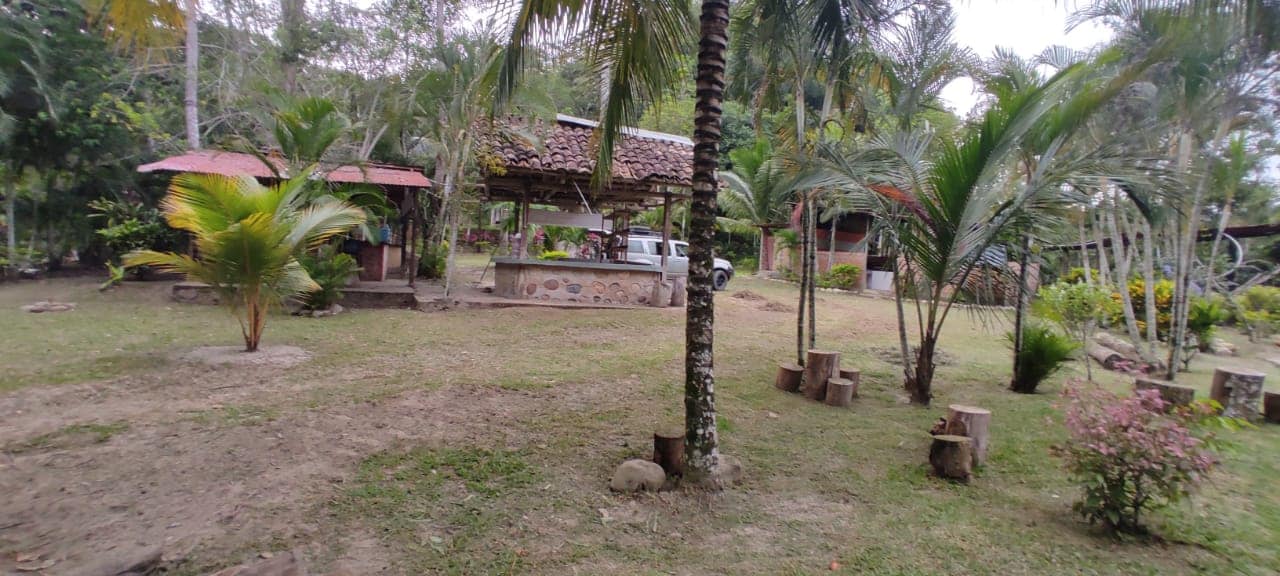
[1025, 26]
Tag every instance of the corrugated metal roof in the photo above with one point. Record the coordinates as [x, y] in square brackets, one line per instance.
[239, 163]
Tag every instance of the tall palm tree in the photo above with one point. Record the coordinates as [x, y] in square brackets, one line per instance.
[758, 194]
[249, 238]
[638, 46]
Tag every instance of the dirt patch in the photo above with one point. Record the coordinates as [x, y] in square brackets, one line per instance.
[762, 302]
[891, 355]
[772, 306]
[275, 356]
[748, 295]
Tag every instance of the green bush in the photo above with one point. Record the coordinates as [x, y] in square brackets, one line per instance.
[1044, 351]
[748, 264]
[1203, 317]
[434, 259]
[331, 270]
[1076, 275]
[842, 276]
[1259, 310]
[553, 255]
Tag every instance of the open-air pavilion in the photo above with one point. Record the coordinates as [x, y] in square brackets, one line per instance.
[378, 260]
[549, 182]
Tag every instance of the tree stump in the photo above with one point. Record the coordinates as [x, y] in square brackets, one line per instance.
[678, 291]
[951, 457]
[1271, 407]
[789, 377]
[818, 368]
[854, 376]
[1239, 391]
[974, 423]
[840, 392]
[1173, 394]
[668, 450]
[1107, 357]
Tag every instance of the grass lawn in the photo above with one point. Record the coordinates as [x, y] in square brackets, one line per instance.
[481, 442]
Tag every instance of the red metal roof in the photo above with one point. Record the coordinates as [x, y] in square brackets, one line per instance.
[239, 163]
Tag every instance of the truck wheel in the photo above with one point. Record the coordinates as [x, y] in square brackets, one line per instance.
[719, 280]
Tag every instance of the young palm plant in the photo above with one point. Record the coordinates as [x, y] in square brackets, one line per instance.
[249, 238]
[758, 194]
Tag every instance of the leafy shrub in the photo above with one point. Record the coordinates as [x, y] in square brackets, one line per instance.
[483, 246]
[1163, 292]
[1259, 310]
[130, 227]
[1077, 308]
[747, 264]
[331, 270]
[434, 259]
[1044, 352]
[553, 255]
[842, 276]
[1130, 456]
[1203, 317]
[1076, 275]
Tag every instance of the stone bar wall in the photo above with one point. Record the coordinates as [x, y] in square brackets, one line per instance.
[574, 281]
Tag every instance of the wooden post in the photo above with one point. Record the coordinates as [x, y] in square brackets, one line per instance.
[1173, 394]
[789, 377]
[951, 457]
[1239, 391]
[819, 365]
[658, 300]
[974, 423]
[839, 392]
[410, 239]
[1271, 407]
[668, 450]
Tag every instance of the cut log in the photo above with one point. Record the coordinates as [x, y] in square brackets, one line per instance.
[854, 376]
[840, 392]
[789, 377]
[1239, 391]
[678, 291]
[1118, 344]
[1271, 407]
[668, 450]
[818, 367]
[974, 423]
[1173, 394]
[1107, 357]
[951, 457]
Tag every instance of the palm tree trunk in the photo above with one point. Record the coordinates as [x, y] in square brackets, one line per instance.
[292, 20]
[1104, 267]
[813, 273]
[1122, 275]
[831, 243]
[904, 345]
[191, 82]
[1020, 308]
[1149, 286]
[1210, 274]
[804, 281]
[10, 214]
[702, 454]
[1084, 249]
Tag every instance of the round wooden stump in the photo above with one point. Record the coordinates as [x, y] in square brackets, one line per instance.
[951, 457]
[1271, 407]
[668, 450]
[818, 367]
[1172, 394]
[678, 291]
[974, 423]
[840, 392]
[1239, 391]
[789, 377]
[854, 376]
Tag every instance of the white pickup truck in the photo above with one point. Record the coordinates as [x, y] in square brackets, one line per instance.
[649, 249]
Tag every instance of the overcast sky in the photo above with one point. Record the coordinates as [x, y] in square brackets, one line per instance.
[1026, 26]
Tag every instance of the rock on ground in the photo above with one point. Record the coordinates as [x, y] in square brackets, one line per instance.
[636, 475]
[47, 306]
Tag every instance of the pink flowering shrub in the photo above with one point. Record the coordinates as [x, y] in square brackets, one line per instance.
[1130, 455]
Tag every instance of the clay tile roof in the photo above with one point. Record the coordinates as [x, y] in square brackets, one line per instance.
[566, 148]
[239, 163]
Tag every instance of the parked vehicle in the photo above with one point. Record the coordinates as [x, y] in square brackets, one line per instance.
[644, 248]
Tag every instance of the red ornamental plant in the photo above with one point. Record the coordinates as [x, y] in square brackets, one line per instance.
[1130, 455]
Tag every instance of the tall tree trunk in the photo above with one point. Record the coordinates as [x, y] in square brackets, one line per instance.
[191, 83]
[908, 374]
[293, 18]
[761, 262]
[1084, 248]
[1020, 307]
[803, 263]
[10, 214]
[831, 243]
[1104, 267]
[1122, 274]
[1210, 276]
[702, 454]
[813, 271]
[1149, 286]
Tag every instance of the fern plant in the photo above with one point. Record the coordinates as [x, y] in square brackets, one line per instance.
[331, 270]
[1044, 351]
